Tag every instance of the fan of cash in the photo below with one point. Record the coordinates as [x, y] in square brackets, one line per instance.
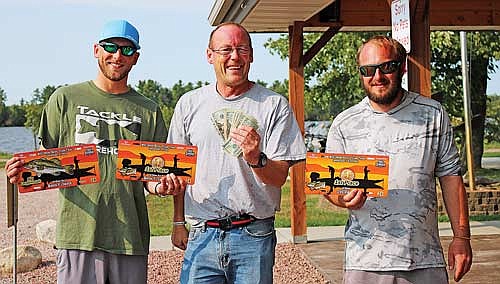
[226, 119]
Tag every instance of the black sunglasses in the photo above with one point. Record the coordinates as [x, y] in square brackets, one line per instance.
[113, 48]
[386, 68]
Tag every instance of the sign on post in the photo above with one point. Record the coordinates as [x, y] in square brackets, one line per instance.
[400, 20]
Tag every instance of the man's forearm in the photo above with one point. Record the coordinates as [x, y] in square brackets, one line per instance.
[179, 207]
[274, 173]
[455, 200]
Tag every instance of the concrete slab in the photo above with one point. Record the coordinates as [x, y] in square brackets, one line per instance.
[328, 258]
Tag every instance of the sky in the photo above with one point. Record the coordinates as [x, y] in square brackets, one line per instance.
[50, 42]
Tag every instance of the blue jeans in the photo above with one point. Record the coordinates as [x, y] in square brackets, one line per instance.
[240, 255]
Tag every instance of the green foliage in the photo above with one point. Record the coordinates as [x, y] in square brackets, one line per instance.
[5, 155]
[492, 174]
[332, 80]
[331, 77]
[319, 211]
[483, 49]
[165, 97]
[34, 108]
[3, 158]
[446, 64]
[16, 115]
[177, 90]
[492, 145]
[492, 125]
[28, 114]
[153, 90]
[160, 212]
[3, 109]
[280, 87]
[444, 218]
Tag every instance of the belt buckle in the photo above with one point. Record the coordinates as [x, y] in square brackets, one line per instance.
[225, 224]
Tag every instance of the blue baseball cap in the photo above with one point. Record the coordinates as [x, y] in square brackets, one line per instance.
[122, 29]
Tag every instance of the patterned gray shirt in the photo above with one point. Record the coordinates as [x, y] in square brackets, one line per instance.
[398, 232]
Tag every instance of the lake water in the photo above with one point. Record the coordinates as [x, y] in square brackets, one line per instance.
[16, 139]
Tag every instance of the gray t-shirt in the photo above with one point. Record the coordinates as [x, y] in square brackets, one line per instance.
[224, 184]
[398, 232]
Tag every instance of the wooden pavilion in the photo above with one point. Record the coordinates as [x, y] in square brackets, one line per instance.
[332, 16]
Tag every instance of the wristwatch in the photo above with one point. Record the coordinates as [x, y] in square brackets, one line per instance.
[262, 161]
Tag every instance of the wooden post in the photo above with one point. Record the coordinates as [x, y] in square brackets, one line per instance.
[296, 95]
[419, 59]
[12, 212]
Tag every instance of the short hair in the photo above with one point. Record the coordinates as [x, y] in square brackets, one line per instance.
[385, 41]
[228, 24]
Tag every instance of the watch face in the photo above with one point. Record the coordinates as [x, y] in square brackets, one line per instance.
[262, 159]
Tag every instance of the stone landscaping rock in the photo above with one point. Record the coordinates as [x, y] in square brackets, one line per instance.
[28, 258]
[46, 231]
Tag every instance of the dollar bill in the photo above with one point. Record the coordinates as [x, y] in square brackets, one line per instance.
[232, 148]
[224, 120]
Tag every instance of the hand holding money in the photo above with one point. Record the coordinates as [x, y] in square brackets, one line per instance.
[226, 121]
[248, 140]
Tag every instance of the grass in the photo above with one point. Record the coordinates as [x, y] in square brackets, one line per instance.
[160, 215]
[319, 212]
[492, 150]
[492, 174]
[3, 158]
[491, 154]
[5, 155]
[444, 218]
[494, 145]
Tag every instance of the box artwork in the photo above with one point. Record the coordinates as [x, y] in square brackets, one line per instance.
[58, 168]
[338, 174]
[149, 161]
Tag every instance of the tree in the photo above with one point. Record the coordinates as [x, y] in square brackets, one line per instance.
[17, 115]
[166, 98]
[3, 108]
[177, 90]
[492, 125]
[280, 87]
[332, 79]
[483, 48]
[35, 106]
[153, 90]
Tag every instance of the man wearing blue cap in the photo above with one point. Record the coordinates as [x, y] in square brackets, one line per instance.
[103, 229]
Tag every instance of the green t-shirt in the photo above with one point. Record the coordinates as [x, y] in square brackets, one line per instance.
[111, 215]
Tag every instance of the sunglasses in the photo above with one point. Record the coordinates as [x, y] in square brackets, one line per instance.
[386, 68]
[113, 48]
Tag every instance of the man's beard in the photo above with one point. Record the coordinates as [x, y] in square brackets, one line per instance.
[110, 75]
[389, 97]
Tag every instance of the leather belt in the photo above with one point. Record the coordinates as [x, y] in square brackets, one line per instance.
[231, 222]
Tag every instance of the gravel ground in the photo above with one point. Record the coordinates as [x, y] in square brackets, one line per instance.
[291, 266]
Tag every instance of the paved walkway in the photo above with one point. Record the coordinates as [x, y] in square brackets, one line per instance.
[325, 250]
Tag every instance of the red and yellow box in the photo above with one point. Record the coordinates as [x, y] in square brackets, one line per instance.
[58, 168]
[338, 174]
[150, 161]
